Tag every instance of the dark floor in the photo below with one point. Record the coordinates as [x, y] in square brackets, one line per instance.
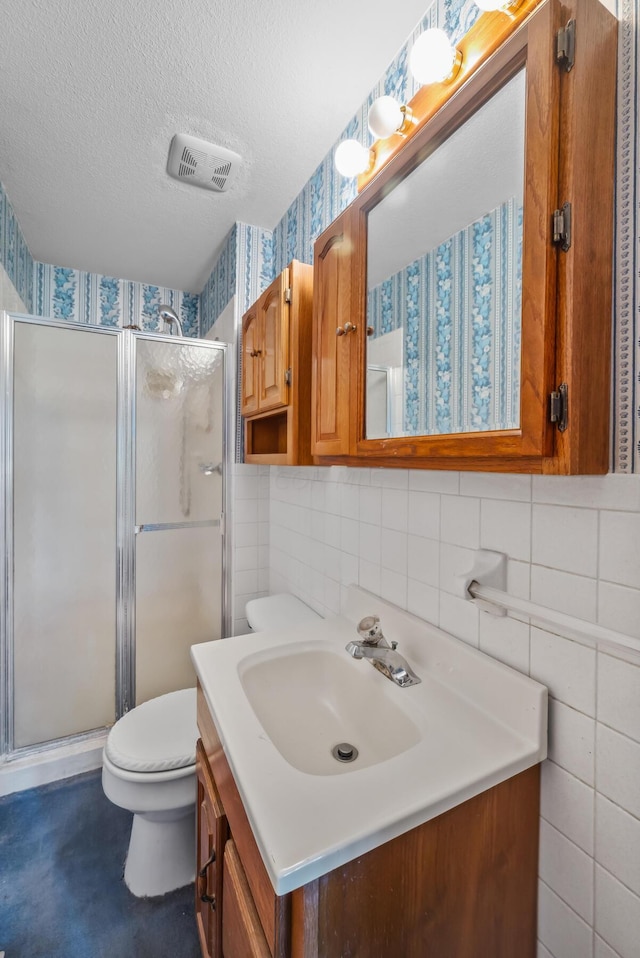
[62, 852]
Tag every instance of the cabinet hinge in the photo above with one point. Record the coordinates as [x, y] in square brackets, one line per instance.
[566, 46]
[287, 376]
[562, 227]
[559, 406]
[223, 524]
[287, 294]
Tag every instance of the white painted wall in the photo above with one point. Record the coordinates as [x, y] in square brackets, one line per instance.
[573, 545]
[9, 297]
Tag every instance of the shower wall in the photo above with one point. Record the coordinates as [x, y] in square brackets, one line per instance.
[64, 532]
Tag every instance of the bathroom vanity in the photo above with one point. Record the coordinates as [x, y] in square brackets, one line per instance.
[426, 845]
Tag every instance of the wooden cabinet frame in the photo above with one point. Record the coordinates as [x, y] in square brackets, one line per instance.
[276, 385]
[566, 296]
[265, 350]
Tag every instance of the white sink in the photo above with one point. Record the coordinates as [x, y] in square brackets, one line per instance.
[281, 701]
[309, 700]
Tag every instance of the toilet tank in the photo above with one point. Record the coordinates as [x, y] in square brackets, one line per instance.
[282, 611]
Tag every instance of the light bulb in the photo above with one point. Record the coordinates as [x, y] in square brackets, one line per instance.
[386, 116]
[352, 158]
[433, 58]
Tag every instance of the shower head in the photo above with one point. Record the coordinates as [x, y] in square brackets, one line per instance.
[170, 317]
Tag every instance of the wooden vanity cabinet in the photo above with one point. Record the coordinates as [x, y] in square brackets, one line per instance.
[463, 885]
[242, 934]
[566, 297]
[276, 362]
[211, 836]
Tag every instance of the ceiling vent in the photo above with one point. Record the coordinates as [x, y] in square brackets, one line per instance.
[201, 163]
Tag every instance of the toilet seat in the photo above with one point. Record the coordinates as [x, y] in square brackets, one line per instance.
[146, 778]
[156, 737]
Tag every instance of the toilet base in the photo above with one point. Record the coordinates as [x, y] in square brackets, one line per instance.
[161, 856]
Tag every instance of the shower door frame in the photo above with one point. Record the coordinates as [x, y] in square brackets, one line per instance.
[125, 537]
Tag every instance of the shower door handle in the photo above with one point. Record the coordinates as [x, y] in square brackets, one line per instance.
[165, 526]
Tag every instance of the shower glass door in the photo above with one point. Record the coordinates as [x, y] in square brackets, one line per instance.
[178, 430]
[111, 487]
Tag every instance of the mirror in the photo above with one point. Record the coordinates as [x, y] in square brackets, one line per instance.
[444, 282]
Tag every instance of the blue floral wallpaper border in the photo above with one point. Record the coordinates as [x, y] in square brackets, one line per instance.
[458, 304]
[78, 297]
[14, 252]
[250, 246]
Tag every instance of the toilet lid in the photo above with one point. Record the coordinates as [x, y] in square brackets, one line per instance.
[156, 736]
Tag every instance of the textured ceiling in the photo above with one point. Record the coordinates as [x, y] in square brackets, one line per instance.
[93, 92]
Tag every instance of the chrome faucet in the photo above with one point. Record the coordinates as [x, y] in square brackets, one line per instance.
[374, 647]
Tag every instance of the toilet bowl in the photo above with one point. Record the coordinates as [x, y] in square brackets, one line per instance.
[148, 767]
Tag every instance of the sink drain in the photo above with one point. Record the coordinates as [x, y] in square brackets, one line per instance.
[345, 752]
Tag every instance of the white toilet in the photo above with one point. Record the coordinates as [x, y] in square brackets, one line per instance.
[149, 768]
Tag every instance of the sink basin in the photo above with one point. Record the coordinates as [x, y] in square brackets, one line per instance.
[310, 699]
[281, 701]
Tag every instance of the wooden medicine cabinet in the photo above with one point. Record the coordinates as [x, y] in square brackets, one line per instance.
[276, 359]
[462, 302]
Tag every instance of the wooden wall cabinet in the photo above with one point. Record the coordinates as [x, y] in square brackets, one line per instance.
[276, 359]
[460, 886]
[336, 370]
[566, 293]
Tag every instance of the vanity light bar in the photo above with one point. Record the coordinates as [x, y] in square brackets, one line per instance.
[472, 50]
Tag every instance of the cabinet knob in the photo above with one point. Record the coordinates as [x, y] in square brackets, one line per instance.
[347, 328]
[255, 352]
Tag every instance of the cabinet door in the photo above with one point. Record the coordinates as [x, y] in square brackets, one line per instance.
[335, 341]
[250, 361]
[273, 316]
[211, 834]
[242, 934]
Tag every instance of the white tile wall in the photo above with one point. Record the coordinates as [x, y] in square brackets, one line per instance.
[574, 544]
[250, 490]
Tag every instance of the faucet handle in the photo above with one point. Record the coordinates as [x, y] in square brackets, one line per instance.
[369, 629]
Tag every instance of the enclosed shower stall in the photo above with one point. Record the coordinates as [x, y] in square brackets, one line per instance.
[113, 492]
